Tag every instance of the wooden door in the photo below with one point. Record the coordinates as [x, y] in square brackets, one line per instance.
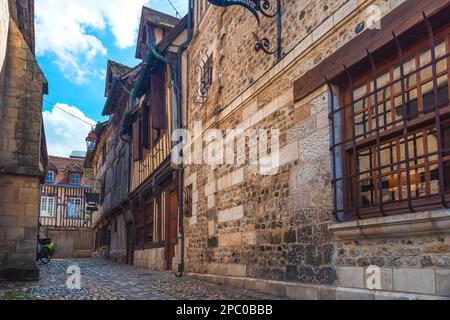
[172, 227]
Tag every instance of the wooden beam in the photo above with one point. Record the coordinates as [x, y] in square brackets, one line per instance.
[400, 20]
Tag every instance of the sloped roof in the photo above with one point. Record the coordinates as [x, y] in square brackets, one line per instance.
[60, 163]
[159, 19]
[117, 69]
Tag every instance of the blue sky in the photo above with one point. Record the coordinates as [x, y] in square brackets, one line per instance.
[74, 40]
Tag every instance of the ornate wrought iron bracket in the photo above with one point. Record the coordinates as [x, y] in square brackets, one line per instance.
[257, 8]
[264, 43]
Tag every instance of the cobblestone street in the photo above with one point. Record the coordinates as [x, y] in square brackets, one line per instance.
[104, 280]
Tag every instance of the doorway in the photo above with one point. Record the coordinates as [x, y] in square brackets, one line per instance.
[172, 235]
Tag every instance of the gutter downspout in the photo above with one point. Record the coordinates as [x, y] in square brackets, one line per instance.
[182, 48]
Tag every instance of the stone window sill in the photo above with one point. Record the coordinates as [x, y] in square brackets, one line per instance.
[415, 224]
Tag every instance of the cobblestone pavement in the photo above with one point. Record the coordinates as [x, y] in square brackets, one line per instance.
[104, 280]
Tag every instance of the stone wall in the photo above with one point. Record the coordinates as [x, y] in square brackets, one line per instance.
[22, 117]
[274, 233]
[20, 152]
[245, 224]
[152, 259]
[19, 214]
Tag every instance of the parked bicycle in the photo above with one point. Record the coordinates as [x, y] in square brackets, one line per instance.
[46, 250]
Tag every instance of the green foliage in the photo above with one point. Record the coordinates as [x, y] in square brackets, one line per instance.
[51, 249]
[11, 295]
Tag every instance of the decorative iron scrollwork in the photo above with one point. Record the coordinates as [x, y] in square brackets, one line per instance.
[257, 7]
[265, 9]
[263, 44]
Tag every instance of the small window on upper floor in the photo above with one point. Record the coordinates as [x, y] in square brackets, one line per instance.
[50, 177]
[75, 179]
[206, 75]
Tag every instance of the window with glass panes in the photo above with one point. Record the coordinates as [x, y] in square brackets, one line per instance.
[47, 207]
[395, 141]
[75, 208]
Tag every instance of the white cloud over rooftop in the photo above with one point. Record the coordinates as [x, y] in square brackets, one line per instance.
[69, 31]
[65, 133]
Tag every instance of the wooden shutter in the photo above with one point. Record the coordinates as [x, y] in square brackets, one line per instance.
[158, 100]
[146, 129]
[136, 140]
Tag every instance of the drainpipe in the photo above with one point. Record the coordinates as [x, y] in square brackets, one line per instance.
[182, 48]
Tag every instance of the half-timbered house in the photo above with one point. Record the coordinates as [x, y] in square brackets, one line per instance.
[155, 190]
[110, 160]
[63, 215]
[138, 218]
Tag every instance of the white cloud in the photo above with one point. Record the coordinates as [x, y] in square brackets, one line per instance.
[65, 29]
[65, 133]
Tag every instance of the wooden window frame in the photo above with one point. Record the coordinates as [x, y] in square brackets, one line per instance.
[394, 132]
[82, 209]
[52, 173]
[71, 181]
[44, 214]
[206, 75]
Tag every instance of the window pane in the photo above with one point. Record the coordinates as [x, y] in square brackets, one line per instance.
[434, 179]
[44, 204]
[362, 125]
[388, 193]
[443, 90]
[364, 164]
[50, 207]
[384, 116]
[366, 193]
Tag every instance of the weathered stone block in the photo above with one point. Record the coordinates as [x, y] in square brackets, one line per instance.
[299, 292]
[327, 293]
[275, 236]
[276, 288]
[415, 280]
[350, 277]
[296, 254]
[233, 270]
[15, 233]
[257, 285]
[30, 233]
[290, 236]
[443, 282]
[230, 240]
[211, 228]
[292, 273]
[26, 246]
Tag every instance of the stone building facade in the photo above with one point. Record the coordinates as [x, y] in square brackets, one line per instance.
[279, 233]
[23, 154]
